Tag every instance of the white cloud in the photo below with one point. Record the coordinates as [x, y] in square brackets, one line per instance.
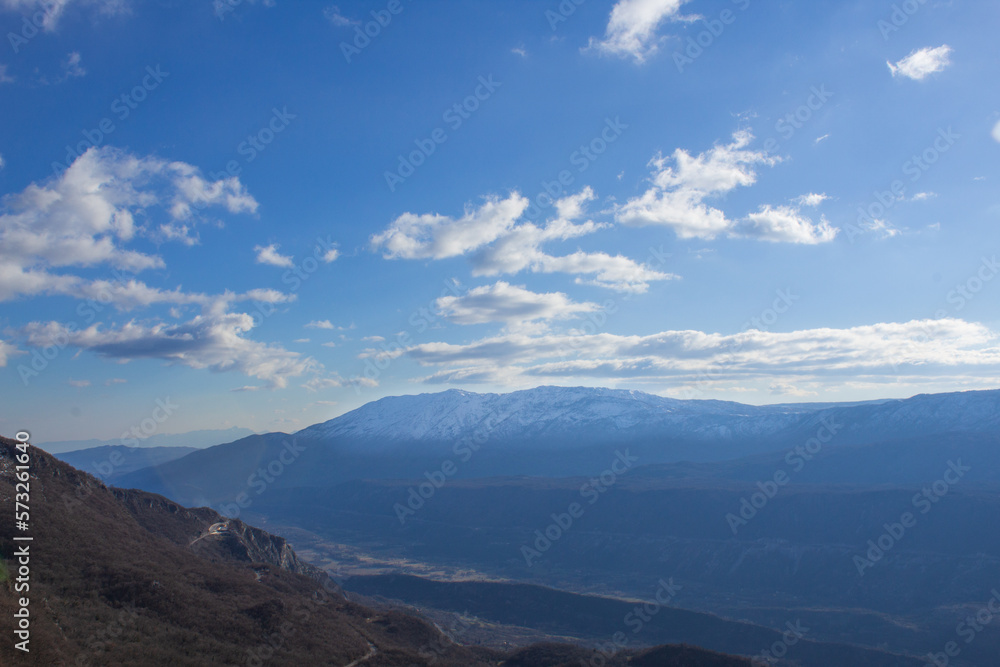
[213, 341]
[784, 224]
[679, 190]
[79, 384]
[631, 30]
[884, 352]
[327, 324]
[321, 383]
[682, 184]
[72, 67]
[270, 255]
[86, 216]
[301, 340]
[7, 350]
[329, 344]
[996, 131]
[520, 50]
[4, 78]
[114, 381]
[52, 10]
[924, 196]
[882, 229]
[502, 302]
[922, 63]
[374, 339]
[269, 296]
[224, 7]
[811, 199]
[333, 15]
[331, 255]
[787, 389]
[432, 236]
[507, 247]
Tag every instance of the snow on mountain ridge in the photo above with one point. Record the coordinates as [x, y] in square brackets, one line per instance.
[581, 412]
[454, 413]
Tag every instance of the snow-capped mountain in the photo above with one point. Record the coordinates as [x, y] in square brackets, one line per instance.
[560, 432]
[553, 411]
[574, 413]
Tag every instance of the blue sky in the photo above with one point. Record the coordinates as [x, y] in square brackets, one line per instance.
[263, 214]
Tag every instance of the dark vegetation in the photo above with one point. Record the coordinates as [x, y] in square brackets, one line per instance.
[130, 578]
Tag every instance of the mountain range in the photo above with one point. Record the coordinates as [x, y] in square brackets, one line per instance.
[764, 514]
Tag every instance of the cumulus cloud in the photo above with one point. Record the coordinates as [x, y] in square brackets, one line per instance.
[433, 236]
[784, 224]
[321, 324]
[881, 352]
[682, 184]
[922, 63]
[4, 77]
[503, 302]
[503, 245]
[86, 217]
[812, 199]
[632, 25]
[995, 133]
[214, 341]
[270, 255]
